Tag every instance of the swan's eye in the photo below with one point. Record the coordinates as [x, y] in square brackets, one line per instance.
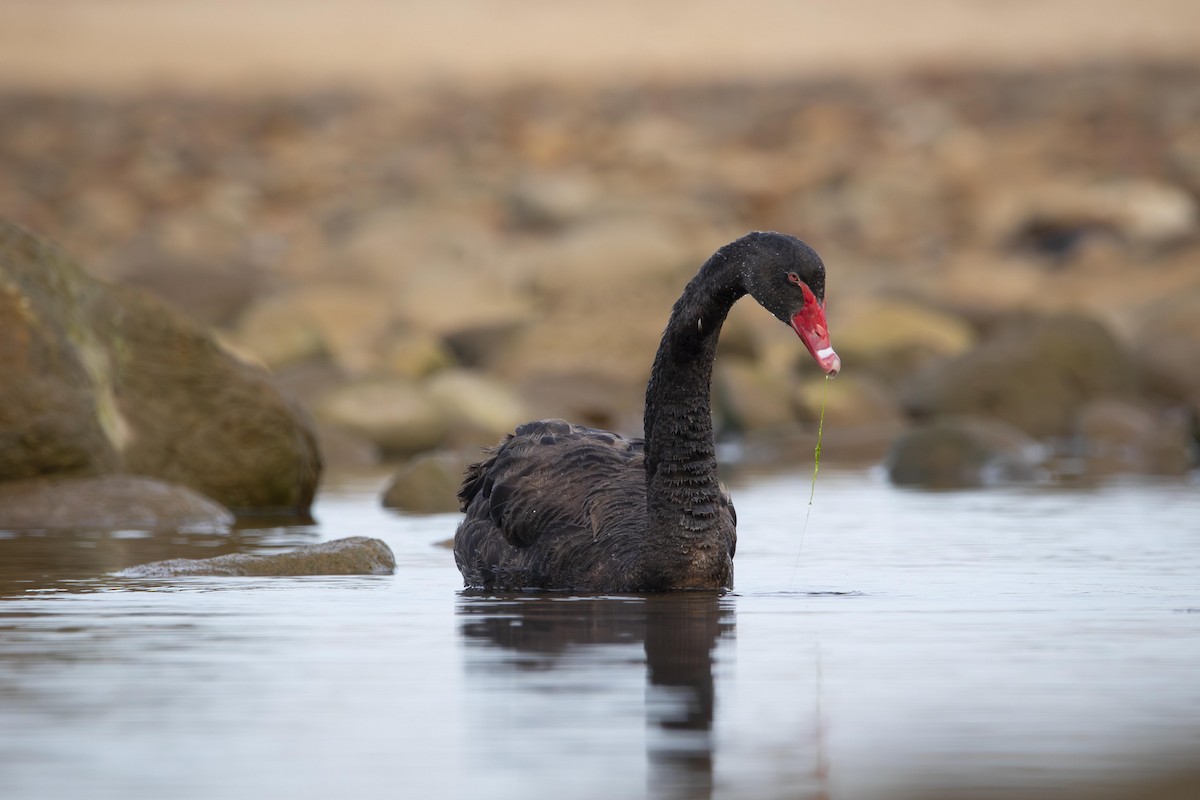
[794, 278]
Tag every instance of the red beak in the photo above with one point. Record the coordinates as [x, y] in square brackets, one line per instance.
[809, 324]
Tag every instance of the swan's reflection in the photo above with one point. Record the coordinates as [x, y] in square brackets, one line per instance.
[678, 634]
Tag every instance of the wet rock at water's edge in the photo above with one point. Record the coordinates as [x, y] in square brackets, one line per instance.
[1167, 342]
[429, 483]
[1034, 375]
[1121, 437]
[103, 379]
[356, 555]
[962, 452]
[108, 502]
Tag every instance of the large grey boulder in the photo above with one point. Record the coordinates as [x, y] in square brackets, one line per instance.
[101, 379]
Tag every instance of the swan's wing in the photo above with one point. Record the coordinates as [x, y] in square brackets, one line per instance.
[552, 478]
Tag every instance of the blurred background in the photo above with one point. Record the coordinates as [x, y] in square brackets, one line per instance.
[432, 221]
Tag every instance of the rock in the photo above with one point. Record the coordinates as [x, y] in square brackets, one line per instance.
[345, 322]
[445, 302]
[484, 344]
[53, 417]
[1118, 437]
[617, 336]
[850, 401]
[550, 235]
[588, 259]
[988, 289]
[740, 335]
[894, 204]
[894, 338]
[356, 555]
[399, 241]
[279, 334]
[108, 502]
[102, 379]
[1167, 364]
[108, 209]
[311, 381]
[599, 399]
[1167, 342]
[477, 409]
[198, 417]
[855, 447]
[1034, 375]
[429, 483]
[414, 354]
[346, 449]
[1055, 217]
[864, 445]
[396, 414]
[748, 398]
[962, 452]
[213, 289]
[547, 201]
[604, 292]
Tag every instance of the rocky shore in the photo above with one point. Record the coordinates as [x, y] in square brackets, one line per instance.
[1014, 257]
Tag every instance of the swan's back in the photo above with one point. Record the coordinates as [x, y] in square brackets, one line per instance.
[554, 506]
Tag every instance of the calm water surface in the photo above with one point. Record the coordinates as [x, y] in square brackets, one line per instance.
[999, 643]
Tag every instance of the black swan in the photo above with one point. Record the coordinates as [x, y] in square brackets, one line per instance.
[564, 507]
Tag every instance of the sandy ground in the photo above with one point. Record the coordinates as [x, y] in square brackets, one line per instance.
[223, 44]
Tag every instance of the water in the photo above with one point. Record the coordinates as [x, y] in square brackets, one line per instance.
[981, 644]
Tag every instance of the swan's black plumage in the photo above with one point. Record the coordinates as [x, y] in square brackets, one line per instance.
[555, 506]
[562, 506]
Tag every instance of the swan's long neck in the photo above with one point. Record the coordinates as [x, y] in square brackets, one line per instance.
[682, 489]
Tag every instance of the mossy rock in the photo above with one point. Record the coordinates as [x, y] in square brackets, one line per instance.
[102, 379]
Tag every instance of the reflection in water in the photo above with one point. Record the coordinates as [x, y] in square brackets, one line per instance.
[1015, 644]
[44, 558]
[679, 633]
[680, 637]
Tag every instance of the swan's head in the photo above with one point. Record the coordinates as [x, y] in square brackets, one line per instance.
[787, 278]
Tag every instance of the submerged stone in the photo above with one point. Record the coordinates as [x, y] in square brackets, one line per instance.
[356, 555]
